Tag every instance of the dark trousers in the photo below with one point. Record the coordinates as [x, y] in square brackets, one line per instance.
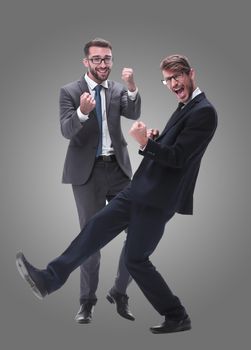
[107, 180]
[145, 228]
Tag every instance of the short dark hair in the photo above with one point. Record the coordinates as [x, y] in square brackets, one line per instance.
[175, 63]
[98, 42]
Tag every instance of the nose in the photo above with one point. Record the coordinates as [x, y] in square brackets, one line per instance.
[173, 82]
[103, 64]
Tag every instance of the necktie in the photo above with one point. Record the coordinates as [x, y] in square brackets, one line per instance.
[180, 105]
[99, 117]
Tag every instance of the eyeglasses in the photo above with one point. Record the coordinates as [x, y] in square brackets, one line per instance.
[98, 60]
[177, 77]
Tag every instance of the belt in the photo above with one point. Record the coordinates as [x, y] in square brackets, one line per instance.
[110, 158]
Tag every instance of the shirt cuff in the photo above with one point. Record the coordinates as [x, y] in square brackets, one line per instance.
[142, 148]
[133, 94]
[82, 117]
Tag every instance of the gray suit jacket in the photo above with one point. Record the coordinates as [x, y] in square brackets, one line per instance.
[83, 138]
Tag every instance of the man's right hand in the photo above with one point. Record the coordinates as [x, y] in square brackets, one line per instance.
[87, 103]
[138, 132]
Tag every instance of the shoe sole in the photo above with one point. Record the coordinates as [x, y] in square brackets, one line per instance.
[26, 276]
[83, 321]
[183, 329]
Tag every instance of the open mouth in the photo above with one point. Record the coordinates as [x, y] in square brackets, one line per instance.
[102, 70]
[180, 92]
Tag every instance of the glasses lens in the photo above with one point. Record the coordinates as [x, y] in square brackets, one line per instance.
[96, 60]
[99, 60]
[177, 77]
[108, 60]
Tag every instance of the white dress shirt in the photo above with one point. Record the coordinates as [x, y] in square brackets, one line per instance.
[106, 139]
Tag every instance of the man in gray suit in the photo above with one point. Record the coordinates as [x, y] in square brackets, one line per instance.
[97, 162]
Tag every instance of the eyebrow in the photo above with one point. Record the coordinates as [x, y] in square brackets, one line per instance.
[106, 56]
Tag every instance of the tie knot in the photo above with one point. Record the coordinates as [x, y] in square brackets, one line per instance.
[98, 88]
[180, 105]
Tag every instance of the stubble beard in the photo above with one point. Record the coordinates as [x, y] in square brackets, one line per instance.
[98, 76]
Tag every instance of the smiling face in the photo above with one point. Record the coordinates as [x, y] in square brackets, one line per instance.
[98, 72]
[181, 83]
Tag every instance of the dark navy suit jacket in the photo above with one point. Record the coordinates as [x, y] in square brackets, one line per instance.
[167, 175]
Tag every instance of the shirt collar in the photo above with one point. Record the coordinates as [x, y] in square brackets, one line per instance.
[92, 84]
[196, 92]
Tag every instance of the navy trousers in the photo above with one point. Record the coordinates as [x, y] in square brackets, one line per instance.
[146, 226]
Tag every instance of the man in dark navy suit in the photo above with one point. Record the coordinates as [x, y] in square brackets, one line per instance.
[162, 186]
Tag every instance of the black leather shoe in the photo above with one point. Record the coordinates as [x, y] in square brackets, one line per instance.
[121, 301]
[85, 312]
[31, 275]
[171, 326]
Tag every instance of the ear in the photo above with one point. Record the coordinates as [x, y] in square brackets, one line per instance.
[192, 73]
[85, 62]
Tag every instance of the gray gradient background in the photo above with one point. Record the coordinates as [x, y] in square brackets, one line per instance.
[206, 257]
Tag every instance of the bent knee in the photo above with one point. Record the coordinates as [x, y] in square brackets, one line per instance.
[134, 263]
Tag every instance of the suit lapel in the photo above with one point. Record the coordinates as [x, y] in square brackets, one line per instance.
[173, 119]
[84, 88]
[179, 114]
[108, 92]
[108, 96]
[83, 85]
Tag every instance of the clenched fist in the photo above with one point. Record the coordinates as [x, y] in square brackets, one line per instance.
[87, 103]
[127, 76]
[139, 133]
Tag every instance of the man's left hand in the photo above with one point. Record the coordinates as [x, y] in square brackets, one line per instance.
[127, 76]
